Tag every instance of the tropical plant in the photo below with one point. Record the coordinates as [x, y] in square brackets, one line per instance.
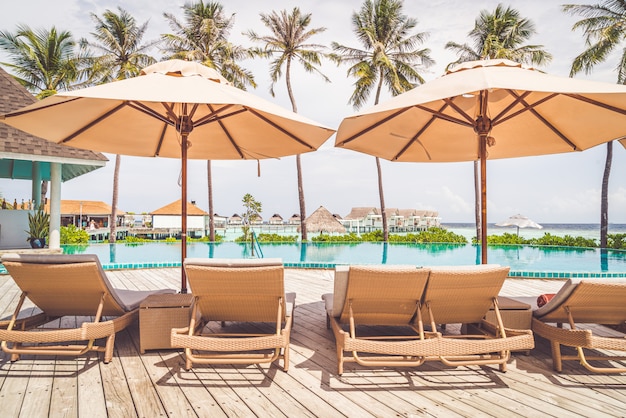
[389, 56]
[119, 55]
[604, 30]
[287, 43]
[71, 234]
[251, 213]
[203, 37]
[43, 61]
[38, 226]
[498, 34]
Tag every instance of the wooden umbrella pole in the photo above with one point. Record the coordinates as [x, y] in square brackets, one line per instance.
[483, 127]
[183, 229]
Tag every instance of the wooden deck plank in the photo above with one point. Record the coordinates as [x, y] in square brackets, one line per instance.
[155, 384]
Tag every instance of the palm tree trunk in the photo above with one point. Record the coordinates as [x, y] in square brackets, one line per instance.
[116, 187]
[211, 211]
[383, 211]
[477, 210]
[604, 202]
[294, 107]
[303, 234]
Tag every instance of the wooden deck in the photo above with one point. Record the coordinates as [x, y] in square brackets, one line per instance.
[155, 384]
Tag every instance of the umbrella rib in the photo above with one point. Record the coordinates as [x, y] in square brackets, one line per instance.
[459, 111]
[531, 109]
[597, 103]
[230, 138]
[25, 112]
[518, 99]
[527, 107]
[419, 133]
[372, 127]
[280, 128]
[94, 122]
[151, 112]
[214, 115]
[161, 138]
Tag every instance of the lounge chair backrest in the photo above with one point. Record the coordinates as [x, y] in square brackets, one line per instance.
[382, 295]
[237, 290]
[63, 284]
[598, 301]
[462, 294]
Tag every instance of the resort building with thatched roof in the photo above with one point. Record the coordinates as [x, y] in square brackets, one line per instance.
[236, 219]
[276, 219]
[169, 217]
[27, 157]
[324, 222]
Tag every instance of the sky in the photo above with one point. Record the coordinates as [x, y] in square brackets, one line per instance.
[562, 188]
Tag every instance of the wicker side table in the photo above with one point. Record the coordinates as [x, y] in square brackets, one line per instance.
[158, 314]
[515, 314]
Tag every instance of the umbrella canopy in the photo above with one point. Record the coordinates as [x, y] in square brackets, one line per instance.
[323, 221]
[174, 109]
[486, 110]
[520, 221]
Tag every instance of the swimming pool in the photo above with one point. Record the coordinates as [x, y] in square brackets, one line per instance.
[525, 261]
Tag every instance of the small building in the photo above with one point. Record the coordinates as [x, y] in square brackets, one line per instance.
[87, 214]
[220, 221]
[235, 220]
[169, 217]
[295, 219]
[256, 220]
[276, 219]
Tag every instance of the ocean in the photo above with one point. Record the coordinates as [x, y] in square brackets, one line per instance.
[591, 230]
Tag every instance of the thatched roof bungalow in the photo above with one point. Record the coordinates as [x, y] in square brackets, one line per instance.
[324, 222]
[276, 219]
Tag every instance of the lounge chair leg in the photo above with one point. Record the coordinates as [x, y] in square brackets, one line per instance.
[108, 350]
[286, 359]
[339, 361]
[557, 363]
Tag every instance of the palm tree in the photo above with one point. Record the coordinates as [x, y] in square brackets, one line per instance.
[203, 37]
[500, 34]
[43, 61]
[390, 56]
[603, 27]
[119, 55]
[289, 42]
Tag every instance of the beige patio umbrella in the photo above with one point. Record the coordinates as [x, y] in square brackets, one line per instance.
[486, 110]
[323, 221]
[174, 109]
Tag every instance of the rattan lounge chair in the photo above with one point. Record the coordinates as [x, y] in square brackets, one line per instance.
[463, 295]
[594, 301]
[246, 290]
[409, 296]
[60, 286]
[379, 296]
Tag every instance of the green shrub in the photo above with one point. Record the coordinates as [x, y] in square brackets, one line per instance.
[266, 238]
[351, 237]
[130, 239]
[565, 241]
[72, 235]
[616, 241]
[431, 235]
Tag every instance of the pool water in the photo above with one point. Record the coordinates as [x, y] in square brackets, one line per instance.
[523, 260]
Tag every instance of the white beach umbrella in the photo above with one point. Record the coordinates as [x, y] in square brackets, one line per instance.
[520, 221]
[486, 110]
[174, 109]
